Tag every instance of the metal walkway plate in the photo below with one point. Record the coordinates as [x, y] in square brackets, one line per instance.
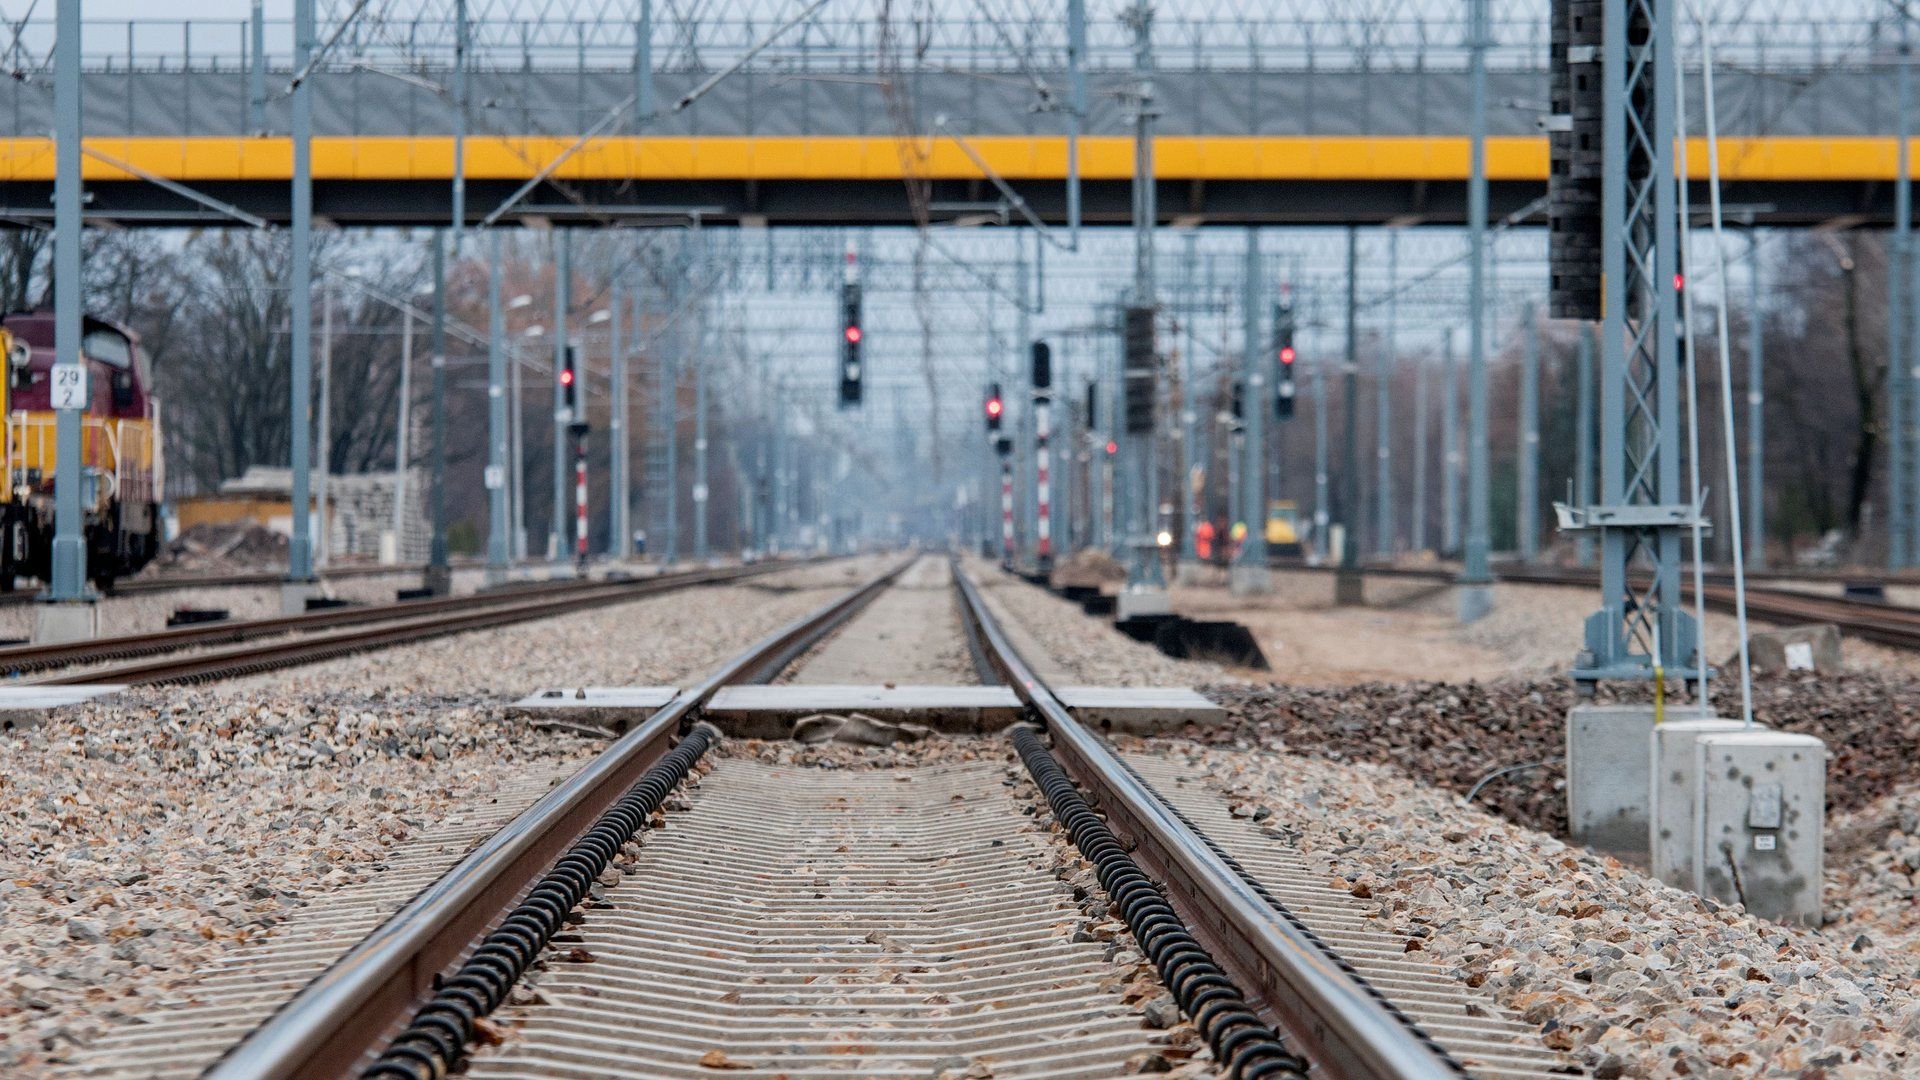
[768, 712]
[614, 708]
[1148, 710]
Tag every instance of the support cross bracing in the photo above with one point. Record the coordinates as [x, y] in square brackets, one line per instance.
[1643, 513]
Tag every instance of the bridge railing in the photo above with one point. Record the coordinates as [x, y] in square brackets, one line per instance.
[1227, 35]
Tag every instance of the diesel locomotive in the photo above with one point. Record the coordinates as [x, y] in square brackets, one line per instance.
[121, 475]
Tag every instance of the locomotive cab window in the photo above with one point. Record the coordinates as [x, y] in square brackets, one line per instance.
[109, 347]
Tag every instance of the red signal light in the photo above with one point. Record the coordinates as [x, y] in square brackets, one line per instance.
[1679, 282]
[1286, 354]
[994, 406]
[1112, 447]
[566, 377]
[853, 335]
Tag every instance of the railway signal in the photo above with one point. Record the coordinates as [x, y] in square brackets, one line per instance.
[577, 428]
[1042, 366]
[852, 337]
[1284, 387]
[996, 407]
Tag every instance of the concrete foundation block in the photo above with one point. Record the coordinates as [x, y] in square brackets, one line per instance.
[1243, 580]
[437, 580]
[57, 621]
[1760, 810]
[1141, 601]
[294, 595]
[1670, 796]
[1349, 588]
[1814, 648]
[1473, 602]
[1608, 772]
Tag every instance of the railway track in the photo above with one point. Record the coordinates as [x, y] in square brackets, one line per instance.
[142, 586]
[229, 649]
[796, 921]
[1889, 624]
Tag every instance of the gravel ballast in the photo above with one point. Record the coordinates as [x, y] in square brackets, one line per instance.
[648, 641]
[153, 831]
[1453, 734]
[1636, 978]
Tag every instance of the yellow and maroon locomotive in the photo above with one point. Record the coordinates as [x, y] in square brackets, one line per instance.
[121, 456]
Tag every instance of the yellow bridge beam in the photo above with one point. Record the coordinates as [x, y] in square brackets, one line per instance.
[1016, 157]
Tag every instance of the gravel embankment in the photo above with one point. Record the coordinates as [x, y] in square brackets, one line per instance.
[1640, 979]
[1453, 734]
[635, 644]
[910, 635]
[1873, 875]
[152, 832]
[1066, 646]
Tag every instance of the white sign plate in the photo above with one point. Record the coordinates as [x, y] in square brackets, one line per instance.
[69, 386]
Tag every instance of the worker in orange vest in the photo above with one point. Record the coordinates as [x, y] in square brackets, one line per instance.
[1203, 540]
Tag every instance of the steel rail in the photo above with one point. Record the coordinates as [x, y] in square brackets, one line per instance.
[338, 1022]
[1889, 624]
[1335, 1018]
[239, 579]
[19, 659]
[250, 659]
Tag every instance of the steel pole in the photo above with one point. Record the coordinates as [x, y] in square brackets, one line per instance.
[257, 70]
[1189, 496]
[1417, 535]
[700, 360]
[1898, 317]
[1526, 505]
[499, 548]
[323, 547]
[670, 425]
[1347, 585]
[643, 66]
[300, 310]
[439, 579]
[402, 444]
[459, 95]
[1450, 473]
[1476, 598]
[69, 572]
[1583, 440]
[562, 283]
[517, 459]
[1250, 572]
[1144, 568]
[619, 541]
[1076, 110]
[1322, 512]
[1387, 363]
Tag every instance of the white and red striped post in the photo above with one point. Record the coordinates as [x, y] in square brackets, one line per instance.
[1042, 467]
[1006, 510]
[580, 500]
